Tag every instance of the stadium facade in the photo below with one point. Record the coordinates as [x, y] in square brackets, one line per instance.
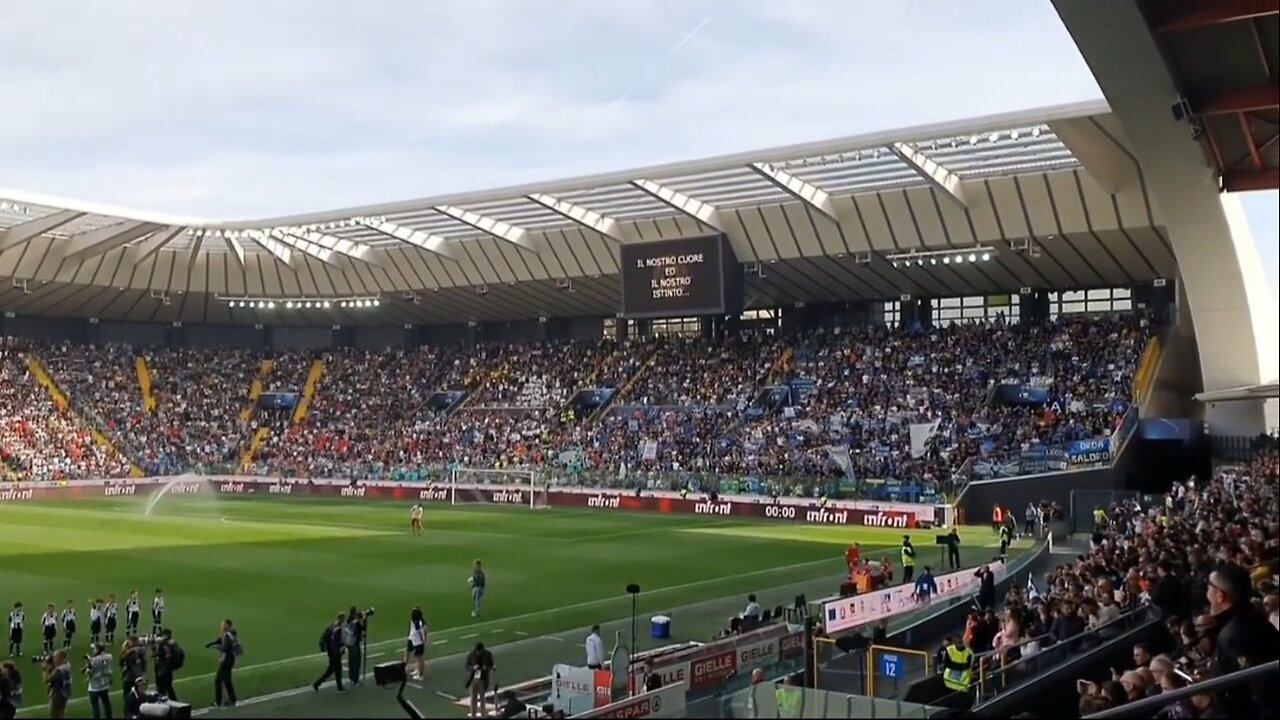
[1035, 213]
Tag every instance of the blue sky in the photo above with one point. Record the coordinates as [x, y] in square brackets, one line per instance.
[245, 108]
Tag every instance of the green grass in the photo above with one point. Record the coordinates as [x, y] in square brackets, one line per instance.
[282, 567]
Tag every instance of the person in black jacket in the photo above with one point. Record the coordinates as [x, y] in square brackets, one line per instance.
[1168, 595]
[331, 645]
[479, 666]
[986, 588]
[228, 647]
[136, 698]
[356, 630]
[1245, 639]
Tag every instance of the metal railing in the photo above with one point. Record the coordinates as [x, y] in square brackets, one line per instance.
[997, 674]
[1150, 706]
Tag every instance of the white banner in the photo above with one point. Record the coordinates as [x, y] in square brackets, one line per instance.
[920, 434]
[848, 613]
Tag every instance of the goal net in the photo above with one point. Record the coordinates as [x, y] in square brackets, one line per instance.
[474, 486]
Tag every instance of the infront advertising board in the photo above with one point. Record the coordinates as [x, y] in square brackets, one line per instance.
[494, 494]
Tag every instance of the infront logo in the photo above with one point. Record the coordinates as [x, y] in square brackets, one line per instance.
[111, 490]
[193, 488]
[16, 495]
[887, 520]
[508, 497]
[355, 492]
[233, 488]
[710, 508]
[281, 489]
[827, 517]
[607, 502]
[434, 494]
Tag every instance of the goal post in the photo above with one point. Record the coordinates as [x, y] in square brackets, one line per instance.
[480, 486]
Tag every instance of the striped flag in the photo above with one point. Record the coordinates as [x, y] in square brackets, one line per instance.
[1033, 593]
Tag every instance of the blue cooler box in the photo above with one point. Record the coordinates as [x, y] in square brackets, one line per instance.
[660, 627]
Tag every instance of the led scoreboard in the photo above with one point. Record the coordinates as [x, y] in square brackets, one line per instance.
[680, 278]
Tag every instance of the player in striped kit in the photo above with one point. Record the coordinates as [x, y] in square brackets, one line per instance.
[95, 621]
[49, 623]
[69, 625]
[17, 621]
[157, 612]
[109, 614]
[132, 610]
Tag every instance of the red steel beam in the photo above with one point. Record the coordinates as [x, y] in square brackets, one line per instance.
[1262, 97]
[1181, 15]
[1247, 180]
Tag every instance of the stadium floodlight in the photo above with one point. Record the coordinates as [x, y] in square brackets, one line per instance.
[986, 256]
[973, 257]
[946, 260]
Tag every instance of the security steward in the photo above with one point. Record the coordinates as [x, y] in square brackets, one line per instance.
[1100, 519]
[790, 698]
[908, 559]
[957, 671]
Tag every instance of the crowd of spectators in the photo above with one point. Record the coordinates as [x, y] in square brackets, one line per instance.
[39, 441]
[682, 405]
[1204, 560]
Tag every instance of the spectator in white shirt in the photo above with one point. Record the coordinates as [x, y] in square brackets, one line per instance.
[595, 649]
[753, 609]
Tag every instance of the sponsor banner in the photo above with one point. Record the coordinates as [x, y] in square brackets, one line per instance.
[703, 669]
[1089, 452]
[668, 701]
[497, 495]
[849, 613]
[726, 508]
[577, 689]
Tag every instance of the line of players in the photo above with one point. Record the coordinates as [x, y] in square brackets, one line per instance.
[103, 621]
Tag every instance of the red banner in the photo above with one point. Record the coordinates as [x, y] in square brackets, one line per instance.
[412, 492]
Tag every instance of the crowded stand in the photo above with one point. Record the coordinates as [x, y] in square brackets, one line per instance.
[1203, 560]
[799, 412]
[39, 441]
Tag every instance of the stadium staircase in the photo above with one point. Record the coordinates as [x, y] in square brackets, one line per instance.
[1144, 378]
[144, 383]
[308, 391]
[259, 439]
[60, 400]
[255, 390]
[625, 390]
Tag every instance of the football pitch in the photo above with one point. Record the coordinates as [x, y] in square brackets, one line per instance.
[281, 568]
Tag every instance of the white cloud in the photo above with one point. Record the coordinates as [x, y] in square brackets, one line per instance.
[242, 108]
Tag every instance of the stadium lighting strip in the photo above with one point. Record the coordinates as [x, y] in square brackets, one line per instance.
[946, 257]
[301, 303]
[289, 229]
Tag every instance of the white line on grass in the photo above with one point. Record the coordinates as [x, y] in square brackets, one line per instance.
[312, 657]
[447, 696]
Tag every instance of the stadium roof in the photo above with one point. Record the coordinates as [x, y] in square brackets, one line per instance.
[1054, 194]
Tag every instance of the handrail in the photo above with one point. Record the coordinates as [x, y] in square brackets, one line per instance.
[1146, 707]
[1094, 631]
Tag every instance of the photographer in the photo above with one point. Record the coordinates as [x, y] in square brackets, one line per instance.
[98, 671]
[10, 690]
[479, 666]
[354, 635]
[169, 658]
[229, 648]
[133, 663]
[136, 698]
[57, 680]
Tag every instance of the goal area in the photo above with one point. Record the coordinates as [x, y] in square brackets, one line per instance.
[478, 486]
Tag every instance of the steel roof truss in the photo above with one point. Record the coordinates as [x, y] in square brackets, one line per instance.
[504, 231]
[932, 172]
[702, 212]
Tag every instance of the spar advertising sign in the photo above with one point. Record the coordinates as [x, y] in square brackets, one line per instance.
[665, 702]
[789, 512]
